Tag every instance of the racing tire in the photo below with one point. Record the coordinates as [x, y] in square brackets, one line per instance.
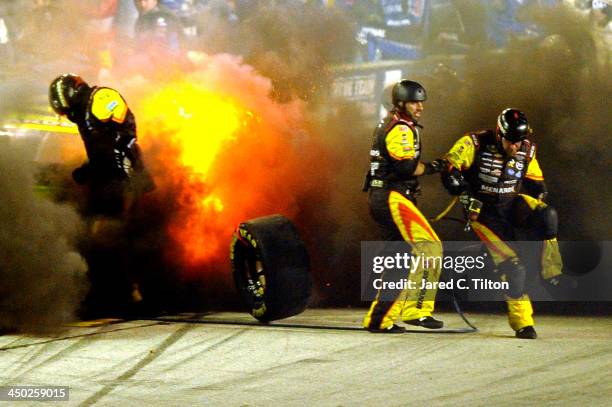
[271, 268]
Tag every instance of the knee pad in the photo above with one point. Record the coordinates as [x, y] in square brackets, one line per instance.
[544, 221]
[515, 275]
[550, 221]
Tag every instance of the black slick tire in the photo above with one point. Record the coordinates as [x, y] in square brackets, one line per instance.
[271, 267]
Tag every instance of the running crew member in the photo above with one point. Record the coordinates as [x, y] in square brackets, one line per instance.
[395, 164]
[499, 168]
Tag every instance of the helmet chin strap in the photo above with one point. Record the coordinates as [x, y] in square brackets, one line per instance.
[401, 108]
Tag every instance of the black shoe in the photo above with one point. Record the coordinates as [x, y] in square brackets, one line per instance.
[526, 333]
[394, 329]
[426, 322]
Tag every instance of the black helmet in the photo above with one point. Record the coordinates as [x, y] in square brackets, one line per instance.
[512, 125]
[63, 91]
[407, 91]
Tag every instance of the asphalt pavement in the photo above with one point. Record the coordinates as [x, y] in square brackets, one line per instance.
[318, 358]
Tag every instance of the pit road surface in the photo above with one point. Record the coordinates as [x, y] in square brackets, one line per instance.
[149, 362]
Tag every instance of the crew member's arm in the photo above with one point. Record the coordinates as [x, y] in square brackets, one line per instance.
[433, 167]
[109, 107]
[126, 142]
[400, 146]
[533, 183]
[460, 158]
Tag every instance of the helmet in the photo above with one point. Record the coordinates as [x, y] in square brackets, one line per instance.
[407, 91]
[512, 125]
[63, 91]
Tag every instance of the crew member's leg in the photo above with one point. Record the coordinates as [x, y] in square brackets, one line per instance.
[542, 218]
[415, 229]
[402, 220]
[379, 316]
[493, 232]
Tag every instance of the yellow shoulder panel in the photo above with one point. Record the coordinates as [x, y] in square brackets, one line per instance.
[400, 142]
[534, 172]
[109, 105]
[461, 155]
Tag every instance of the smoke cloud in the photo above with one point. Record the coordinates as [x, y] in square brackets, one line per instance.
[562, 83]
[42, 277]
[284, 160]
[290, 43]
[312, 151]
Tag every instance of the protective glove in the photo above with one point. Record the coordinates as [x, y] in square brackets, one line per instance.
[435, 166]
[454, 182]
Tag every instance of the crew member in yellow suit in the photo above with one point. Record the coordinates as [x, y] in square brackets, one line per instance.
[115, 177]
[499, 168]
[395, 164]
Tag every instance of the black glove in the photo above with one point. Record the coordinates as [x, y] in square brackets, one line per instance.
[435, 166]
[454, 182]
[82, 174]
[536, 189]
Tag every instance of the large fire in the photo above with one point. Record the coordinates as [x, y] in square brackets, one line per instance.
[220, 157]
[195, 120]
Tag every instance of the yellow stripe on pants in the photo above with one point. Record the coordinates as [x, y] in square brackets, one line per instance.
[500, 251]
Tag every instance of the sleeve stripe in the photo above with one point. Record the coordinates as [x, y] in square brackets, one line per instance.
[401, 158]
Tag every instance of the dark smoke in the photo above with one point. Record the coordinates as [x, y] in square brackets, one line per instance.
[296, 46]
[42, 277]
[291, 43]
[333, 213]
[563, 83]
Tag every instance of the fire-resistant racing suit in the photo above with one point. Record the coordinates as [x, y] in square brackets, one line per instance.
[114, 167]
[510, 189]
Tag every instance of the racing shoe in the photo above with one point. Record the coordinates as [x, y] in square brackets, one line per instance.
[526, 333]
[393, 329]
[428, 322]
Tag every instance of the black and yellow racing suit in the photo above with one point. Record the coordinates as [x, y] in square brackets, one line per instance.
[108, 129]
[394, 157]
[115, 176]
[511, 189]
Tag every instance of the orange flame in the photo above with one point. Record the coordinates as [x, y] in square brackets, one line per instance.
[220, 155]
[197, 121]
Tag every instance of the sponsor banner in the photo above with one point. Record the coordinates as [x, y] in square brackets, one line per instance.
[369, 85]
